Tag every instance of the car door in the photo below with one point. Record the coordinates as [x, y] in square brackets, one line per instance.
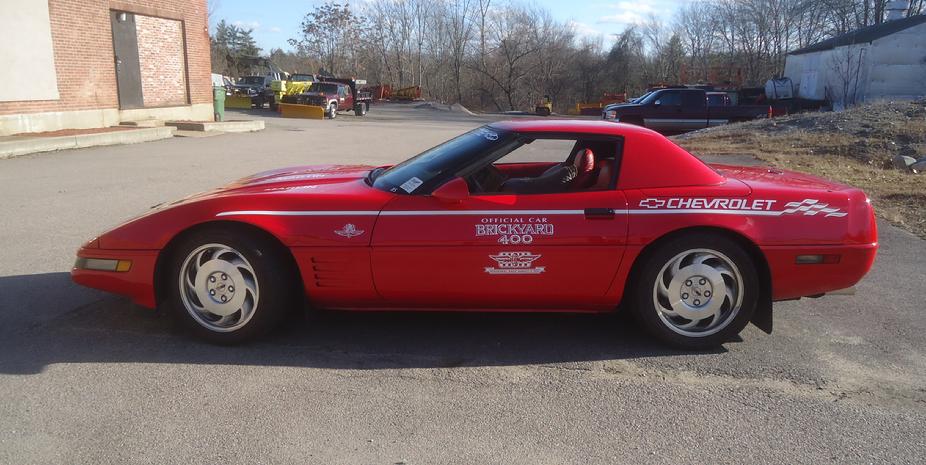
[694, 111]
[665, 114]
[500, 251]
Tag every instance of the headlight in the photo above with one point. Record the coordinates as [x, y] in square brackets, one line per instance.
[610, 114]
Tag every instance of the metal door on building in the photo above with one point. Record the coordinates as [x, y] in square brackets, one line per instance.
[125, 54]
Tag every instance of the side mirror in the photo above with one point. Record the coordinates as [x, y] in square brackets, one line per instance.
[657, 103]
[454, 191]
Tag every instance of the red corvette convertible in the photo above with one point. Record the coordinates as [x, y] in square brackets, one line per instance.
[567, 216]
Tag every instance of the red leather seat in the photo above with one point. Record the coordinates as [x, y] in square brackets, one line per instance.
[585, 170]
[605, 172]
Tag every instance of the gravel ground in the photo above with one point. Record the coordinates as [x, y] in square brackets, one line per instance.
[86, 377]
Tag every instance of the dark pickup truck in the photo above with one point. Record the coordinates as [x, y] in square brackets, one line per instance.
[675, 110]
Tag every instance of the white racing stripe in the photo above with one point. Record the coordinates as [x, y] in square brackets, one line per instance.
[480, 212]
[680, 211]
[689, 211]
[300, 213]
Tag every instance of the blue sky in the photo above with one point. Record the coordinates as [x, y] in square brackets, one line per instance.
[275, 21]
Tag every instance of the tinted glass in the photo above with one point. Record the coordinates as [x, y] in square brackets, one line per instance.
[691, 99]
[671, 97]
[424, 171]
[324, 88]
[715, 100]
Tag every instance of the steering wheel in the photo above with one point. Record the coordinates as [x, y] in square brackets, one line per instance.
[488, 179]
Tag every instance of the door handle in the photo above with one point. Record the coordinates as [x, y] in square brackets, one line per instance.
[599, 213]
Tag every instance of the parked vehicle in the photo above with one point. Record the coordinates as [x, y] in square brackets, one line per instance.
[361, 99]
[544, 107]
[297, 83]
[681, 109]
[695, 252]
[334, 95]
[257, 86]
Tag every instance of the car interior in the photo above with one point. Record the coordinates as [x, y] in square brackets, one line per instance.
[590, 165]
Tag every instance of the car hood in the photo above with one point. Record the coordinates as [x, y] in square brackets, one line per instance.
[302, 175]
[260, 200]
[321, 180]
[621, 106]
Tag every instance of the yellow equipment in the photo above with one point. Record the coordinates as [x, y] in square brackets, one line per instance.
[238, 101]
[282, 88]
[294, 110]
[544, 107]
[407, 93]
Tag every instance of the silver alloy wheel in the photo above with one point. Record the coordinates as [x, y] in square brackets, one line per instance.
[698, 292]
[218, 287]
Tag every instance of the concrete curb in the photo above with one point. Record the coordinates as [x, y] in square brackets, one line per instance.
[27, 145]
[220, 126]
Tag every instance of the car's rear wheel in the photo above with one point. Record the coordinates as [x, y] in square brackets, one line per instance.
[229, 288]
[696, 291]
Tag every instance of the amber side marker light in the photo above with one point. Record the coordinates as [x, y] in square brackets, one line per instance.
[817, 259]
[102, 264]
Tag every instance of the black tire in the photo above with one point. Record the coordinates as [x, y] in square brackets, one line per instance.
[360, 109]
[332, 111]
[276, 288]
[647, 299]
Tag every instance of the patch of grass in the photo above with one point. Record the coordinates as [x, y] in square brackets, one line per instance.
[855, 147]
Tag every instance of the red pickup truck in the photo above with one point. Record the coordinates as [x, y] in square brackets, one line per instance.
[675, 110]
[334, 94]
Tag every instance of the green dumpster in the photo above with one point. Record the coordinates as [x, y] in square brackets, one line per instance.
[218, 102]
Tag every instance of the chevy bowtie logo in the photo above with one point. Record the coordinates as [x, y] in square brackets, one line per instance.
[652, 203]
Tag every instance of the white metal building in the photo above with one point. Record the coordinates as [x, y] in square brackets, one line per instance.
[884, 61]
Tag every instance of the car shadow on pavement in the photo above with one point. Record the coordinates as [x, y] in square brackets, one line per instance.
[45, 319]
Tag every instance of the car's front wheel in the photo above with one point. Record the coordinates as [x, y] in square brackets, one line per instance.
[696, 291]
[229, 288]
[333, 111]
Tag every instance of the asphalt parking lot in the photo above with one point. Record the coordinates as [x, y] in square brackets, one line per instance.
[86, 377]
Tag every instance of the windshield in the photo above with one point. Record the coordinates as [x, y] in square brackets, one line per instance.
[651, 97]
[252, 80]
[303, 78]
[324, 88]
[435, 165]
[640, 98]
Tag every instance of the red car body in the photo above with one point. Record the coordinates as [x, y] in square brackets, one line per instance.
[358, 247]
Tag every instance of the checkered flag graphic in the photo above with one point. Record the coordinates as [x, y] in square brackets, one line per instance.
[811, 207]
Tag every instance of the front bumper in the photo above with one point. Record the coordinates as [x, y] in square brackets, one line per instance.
[135, 281]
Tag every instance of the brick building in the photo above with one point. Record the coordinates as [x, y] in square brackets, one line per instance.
[96, 63]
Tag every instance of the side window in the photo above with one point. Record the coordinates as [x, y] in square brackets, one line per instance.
[342, 91]
[693, 99]
[670, 98]
[549, 166]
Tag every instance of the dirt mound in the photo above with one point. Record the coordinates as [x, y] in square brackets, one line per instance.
[855, 147]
